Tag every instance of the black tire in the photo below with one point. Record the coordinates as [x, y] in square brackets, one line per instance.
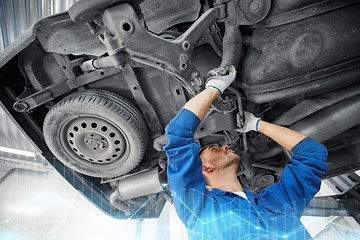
[97, 133]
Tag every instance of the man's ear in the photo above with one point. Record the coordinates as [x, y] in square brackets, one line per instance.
[207, 169]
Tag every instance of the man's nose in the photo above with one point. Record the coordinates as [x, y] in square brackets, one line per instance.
[225, 147]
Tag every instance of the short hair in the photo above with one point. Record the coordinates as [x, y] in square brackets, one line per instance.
[202, 149]
[207, 146]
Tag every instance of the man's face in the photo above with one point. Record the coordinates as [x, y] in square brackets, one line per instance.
[220, 157]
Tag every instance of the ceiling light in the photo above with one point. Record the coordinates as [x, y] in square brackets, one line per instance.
[17, 151]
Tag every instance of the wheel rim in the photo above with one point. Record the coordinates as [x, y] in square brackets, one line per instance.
[93, 140]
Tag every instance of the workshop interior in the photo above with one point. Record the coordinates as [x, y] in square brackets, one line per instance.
[87, 88]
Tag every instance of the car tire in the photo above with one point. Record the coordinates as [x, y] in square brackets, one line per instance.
[96, 133]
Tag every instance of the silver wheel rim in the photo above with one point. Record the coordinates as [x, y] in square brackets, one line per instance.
[93, 140]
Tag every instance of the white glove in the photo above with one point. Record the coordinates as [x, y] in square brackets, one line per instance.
[249, 123]
[220, 78]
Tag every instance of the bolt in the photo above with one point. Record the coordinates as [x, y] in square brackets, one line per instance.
[194, 75]
[197, 81]
[184, 57]
[254, 6]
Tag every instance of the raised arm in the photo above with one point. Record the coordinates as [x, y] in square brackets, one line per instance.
[201, 102]
[286, 137]
[220, 79]
[301, 179]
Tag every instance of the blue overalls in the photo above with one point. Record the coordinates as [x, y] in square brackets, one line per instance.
[274, 213]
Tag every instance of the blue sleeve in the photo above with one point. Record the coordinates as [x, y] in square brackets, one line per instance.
[301, 179]
[184, 168]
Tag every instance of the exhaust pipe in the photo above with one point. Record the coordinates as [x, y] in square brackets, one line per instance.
[321, 125]
[331, 121]
[312, 105]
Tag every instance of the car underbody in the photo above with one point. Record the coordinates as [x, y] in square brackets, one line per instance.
[96, 86]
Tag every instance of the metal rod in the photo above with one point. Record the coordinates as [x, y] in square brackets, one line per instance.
[241, 112]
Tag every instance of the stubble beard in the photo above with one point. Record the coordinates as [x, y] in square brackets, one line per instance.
[231, 159]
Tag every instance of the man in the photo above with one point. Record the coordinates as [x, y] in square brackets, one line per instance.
[207, 194]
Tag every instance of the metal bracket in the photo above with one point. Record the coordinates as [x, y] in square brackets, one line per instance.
[343, 183]
[125, 33]
[36, 99]
[223, 105]
[85, 10]
[246, 12]
[178, 92]
[214, 123]
[147, 109]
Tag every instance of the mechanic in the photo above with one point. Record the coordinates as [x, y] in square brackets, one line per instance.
[207, 194]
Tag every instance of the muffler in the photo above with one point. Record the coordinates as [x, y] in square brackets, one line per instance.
[141, 184]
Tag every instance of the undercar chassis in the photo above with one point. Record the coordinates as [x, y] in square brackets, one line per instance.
[95, 87]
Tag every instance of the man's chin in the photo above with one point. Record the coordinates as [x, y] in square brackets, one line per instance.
[233, 159]
[236, 156]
